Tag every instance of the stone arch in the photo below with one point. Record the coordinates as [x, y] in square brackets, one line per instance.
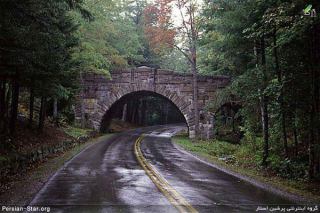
[117, 92]
[100, 93]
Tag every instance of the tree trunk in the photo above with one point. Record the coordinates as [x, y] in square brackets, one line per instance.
[311, 146]
[14, 106]
[2, 105]
[143, 111]
[295, 134]
[264, 107]
[31, 106]
[282, 111]
[83, 108]
[233, 124]
[83, 112]
[161, 111]
[314, 131]
[7, 105]
[124, 112]
[195, 98]
[166, 112]
[265, 129]
[135, 118]
[42, 113]
[317, 96]
[129, 110]
[55, 111]
[139, 111]
[134, 111]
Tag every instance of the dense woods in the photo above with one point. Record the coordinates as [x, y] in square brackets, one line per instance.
[36, 45]
[47, 46]
[270, 49]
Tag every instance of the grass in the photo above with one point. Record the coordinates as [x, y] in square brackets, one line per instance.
[23, 188]
[76, 132]
[216, 148]
[242, 160]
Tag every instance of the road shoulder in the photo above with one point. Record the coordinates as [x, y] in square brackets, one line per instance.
[268, 186]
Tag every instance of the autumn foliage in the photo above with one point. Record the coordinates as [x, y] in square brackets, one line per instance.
[157, 26]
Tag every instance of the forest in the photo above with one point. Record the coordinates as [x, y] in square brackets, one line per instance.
[270, 49]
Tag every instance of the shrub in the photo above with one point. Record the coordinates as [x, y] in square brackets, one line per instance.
[295, 168]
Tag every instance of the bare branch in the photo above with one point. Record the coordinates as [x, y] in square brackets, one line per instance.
[183, 19]
[183, 52]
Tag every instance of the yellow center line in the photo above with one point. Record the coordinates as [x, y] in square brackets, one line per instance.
[170, 193]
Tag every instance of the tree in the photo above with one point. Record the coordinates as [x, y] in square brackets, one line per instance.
[188, 34]
[158, 27]
[36, 45]
[271, 53]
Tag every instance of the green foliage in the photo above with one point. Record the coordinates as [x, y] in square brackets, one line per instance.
[296, 168]
[43, 33]
[173, 60]
[104, 41]
[236, 34]
[48, 46]
[89, 60]
[215, 148]
[248, 155]
[76, 132]
[36, 43]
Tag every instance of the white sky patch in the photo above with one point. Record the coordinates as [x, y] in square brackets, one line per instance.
[176, 15]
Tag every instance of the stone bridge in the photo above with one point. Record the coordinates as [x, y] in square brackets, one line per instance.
[100, 94]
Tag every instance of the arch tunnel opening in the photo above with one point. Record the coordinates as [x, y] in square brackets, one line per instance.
[142, 108]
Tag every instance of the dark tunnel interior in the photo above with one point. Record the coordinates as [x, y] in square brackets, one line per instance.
[143, 108]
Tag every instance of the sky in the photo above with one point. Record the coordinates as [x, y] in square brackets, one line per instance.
[176, 16]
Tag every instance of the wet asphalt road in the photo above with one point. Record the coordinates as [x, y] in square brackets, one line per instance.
[106, 177]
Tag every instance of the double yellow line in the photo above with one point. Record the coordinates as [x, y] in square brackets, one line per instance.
[170, 193]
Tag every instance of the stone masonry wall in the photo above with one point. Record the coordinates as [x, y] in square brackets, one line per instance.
[100, 93]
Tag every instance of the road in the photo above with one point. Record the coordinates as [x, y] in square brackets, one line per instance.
[107, 177]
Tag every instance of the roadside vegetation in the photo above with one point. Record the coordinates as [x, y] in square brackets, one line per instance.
[31, 148]
[76, 132]
[245, 159]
